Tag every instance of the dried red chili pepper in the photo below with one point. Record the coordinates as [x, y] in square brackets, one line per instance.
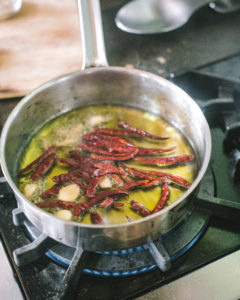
[170, 160]
[101, 138]
[78, 164]
[91, 136]
[82, 158]
[120, 155]
[133, 184]
[107, 157]
[96, 218]
[140, 208]
[119, 149]
[175, 178]
[77, 155]
[163, 200]
[158, 174]
[57, 204]
[104, 168]
[124, 174]
[106, 202]
[80, 174]
[83, 206]
[61, 178]
[110, 146]
[118, 204]
[92, 186]
[151, 183]
[116, 157]
[67, 176]
[52, 191]
[86, 163]
[93, 149]
[138, 174]
[37, 161]
[118, 132]
[70, 162]
[109, 201]
[44, 166]
[140, 131]
[149, 151]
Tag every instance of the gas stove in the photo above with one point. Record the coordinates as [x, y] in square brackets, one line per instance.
[209, 234]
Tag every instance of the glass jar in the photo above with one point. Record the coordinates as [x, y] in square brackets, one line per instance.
[9, 8]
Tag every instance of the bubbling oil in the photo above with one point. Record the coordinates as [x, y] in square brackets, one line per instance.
[65, 132]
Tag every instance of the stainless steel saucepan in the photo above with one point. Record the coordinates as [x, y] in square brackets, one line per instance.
[100, 84]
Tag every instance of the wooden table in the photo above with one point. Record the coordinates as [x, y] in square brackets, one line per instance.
[41, 42]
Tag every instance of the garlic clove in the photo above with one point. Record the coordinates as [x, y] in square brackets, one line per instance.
[105, 183]
[64, 214]
[96, 120]
[69, 192]
[29, 190]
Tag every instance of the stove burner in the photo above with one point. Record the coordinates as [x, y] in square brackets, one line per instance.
[125, 262]
[132, 261]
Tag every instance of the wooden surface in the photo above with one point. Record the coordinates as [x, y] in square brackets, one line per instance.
[39, 43]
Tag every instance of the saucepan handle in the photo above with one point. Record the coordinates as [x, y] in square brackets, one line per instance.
[93, 46]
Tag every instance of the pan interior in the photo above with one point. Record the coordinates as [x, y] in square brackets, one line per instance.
[65, 133]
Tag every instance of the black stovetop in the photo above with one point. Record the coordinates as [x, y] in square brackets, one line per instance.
[216, 89]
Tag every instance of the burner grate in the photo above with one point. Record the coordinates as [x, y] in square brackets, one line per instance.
[132, 261]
